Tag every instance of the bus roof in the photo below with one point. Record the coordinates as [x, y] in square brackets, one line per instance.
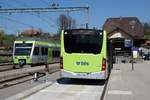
[79, 31]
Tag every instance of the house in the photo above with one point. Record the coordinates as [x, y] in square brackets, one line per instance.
[30, 32]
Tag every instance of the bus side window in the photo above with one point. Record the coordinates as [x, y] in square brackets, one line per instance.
[36, 51]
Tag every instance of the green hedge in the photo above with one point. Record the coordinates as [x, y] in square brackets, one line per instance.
[5, 59]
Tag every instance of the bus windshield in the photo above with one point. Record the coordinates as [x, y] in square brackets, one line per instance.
[23, 49]
[83, 41]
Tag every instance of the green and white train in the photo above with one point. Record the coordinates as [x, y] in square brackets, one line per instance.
[85, 54]
[32, 51]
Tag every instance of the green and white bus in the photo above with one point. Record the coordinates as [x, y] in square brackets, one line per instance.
[32, 51]
[85, 54]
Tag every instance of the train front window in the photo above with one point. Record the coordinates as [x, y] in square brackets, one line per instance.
[23, 48]
[23, 45]
[83, 41]
[22, 51]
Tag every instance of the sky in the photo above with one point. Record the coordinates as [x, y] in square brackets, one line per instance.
[99, 11]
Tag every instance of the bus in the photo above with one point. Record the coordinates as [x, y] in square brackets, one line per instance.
[33, 51]
[85, 54]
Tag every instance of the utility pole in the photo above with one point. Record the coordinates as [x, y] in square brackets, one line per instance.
[132, 56]
[87, 21]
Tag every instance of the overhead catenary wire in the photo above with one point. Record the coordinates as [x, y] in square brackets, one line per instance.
[20, 22]
[45, 2]
[40, 10]
[3, 4]
[28, 6]
[7, 18]
[37, 15]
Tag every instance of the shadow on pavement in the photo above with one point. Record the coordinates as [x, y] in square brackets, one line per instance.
[81, 81]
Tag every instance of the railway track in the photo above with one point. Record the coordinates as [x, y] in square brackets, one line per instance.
[9, 66]
[13, 77]
[2, 64]
[5, 67]
[18, 80]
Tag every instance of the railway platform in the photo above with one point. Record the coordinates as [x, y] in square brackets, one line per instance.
[63, 89]
[127, 84]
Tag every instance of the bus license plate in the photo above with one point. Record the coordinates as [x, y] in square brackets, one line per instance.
[82, 74]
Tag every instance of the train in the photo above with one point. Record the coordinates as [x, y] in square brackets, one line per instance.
[33, 51]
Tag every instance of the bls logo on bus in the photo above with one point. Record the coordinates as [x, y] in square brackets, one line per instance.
[82, 63]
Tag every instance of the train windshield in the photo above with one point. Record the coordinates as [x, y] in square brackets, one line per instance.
[23, 49]
[83, 41]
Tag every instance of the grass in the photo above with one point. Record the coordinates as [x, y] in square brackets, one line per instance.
[5, 59]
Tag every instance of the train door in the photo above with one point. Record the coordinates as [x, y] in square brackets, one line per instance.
[36, 53]
[44, 54]
[56, 54]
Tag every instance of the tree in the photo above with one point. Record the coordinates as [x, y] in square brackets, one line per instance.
[9, 40]
[6, 40]
[2, 35]
[65, 22]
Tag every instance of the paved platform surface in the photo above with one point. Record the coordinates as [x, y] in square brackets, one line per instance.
[125, 84]
[70, 90]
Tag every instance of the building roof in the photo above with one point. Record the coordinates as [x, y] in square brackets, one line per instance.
[130, 25]
[30, 31]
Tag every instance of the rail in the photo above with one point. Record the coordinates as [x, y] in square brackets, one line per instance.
[11, 73]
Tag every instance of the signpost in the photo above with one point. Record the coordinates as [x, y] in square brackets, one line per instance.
[128, 43]
[134, 55]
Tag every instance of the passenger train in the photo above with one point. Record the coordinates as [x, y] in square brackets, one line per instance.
[33, 51]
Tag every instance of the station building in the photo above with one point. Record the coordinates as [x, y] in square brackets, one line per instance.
[124, 33]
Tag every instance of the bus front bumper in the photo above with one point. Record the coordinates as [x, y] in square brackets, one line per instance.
[94, 75]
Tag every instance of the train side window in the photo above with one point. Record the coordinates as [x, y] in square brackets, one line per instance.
[36, 51]
[44, 51]
[56, 53]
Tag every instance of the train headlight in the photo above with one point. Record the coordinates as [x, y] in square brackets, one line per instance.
[21, 62]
